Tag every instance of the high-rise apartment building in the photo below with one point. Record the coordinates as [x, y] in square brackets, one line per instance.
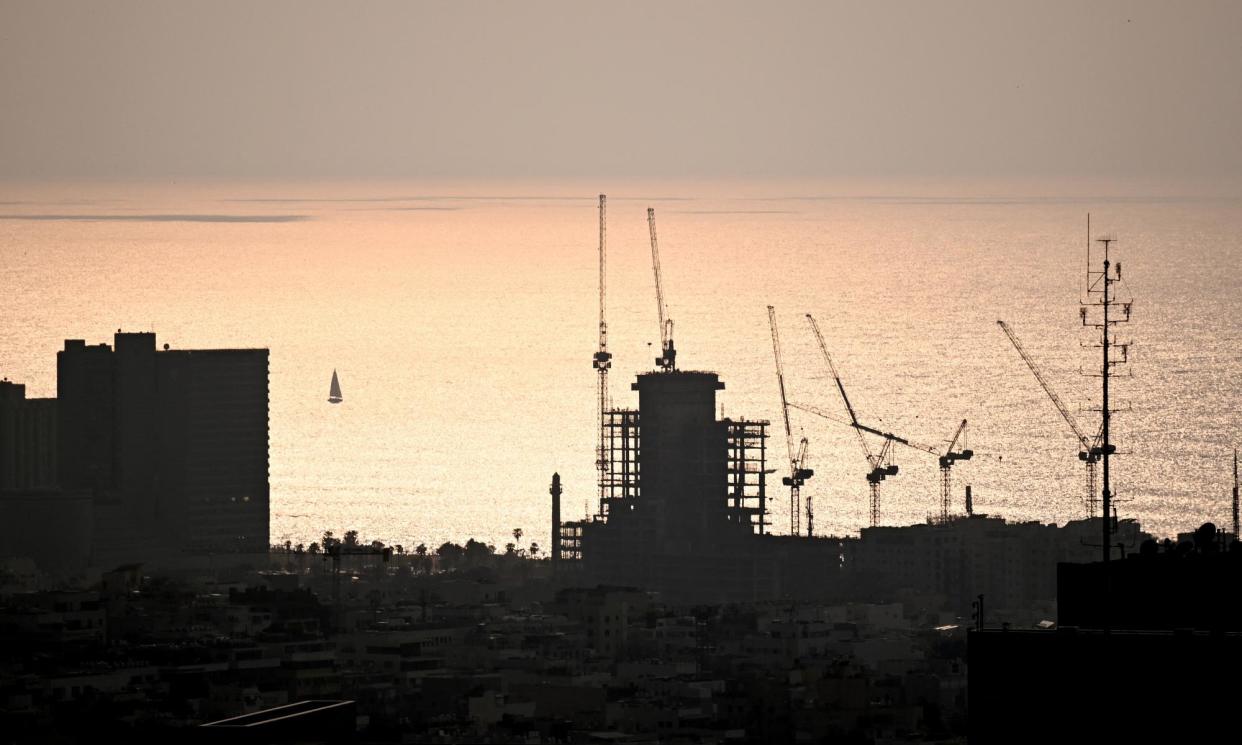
[27, 440]
[172, 444]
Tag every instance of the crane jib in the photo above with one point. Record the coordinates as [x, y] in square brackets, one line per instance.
[846, 399]
[886, 435]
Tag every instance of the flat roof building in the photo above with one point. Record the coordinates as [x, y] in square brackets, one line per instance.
[27, 440]
[38, 520]
[172, 444]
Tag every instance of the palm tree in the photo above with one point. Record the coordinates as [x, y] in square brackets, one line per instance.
[450, 553]
[534, 550]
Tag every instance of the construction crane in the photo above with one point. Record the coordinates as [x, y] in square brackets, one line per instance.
[667, 361]
[879, 463]
[602, 360]
[946, 457]
[1091, 450]
[947, 460]
[798, 472]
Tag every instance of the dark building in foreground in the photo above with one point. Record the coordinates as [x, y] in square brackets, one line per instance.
[144, 455]
[38, 519]
[1146, 649]
[28, 444]
[1087, 685]
[172, 444]
[1185, 586]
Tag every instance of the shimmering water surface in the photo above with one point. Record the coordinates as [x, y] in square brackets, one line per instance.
[462, 319]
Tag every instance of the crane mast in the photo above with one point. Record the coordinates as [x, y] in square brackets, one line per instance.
[602, 360]
[667, 361]
[802, 474]
[947, 460]
[1091, 452]
[798, 472]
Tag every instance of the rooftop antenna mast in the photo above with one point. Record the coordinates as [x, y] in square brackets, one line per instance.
[798, 472]
[668, 354]
[602, 360]
[1235, 495]
[1100, 285]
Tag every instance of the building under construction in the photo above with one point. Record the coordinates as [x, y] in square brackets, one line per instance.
[683, 507]
[682, 495]
[683, 501]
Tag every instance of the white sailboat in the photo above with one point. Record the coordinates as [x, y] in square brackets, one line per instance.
[334, 394]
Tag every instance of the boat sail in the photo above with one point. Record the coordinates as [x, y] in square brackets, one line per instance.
[334, 394]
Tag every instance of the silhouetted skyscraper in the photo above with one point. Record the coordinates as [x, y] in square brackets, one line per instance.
[173, 444]
[27, 440]
[682, 458]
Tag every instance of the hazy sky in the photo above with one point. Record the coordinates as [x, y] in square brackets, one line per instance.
[297, 89]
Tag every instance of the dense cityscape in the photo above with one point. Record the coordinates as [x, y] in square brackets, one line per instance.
[674, 616]
[407, 434]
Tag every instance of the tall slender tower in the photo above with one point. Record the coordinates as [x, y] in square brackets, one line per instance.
[555, 491]
[1235, 495]
[602, 360]
[1099, 312]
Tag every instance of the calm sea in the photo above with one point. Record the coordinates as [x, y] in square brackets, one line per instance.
[461, 320]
